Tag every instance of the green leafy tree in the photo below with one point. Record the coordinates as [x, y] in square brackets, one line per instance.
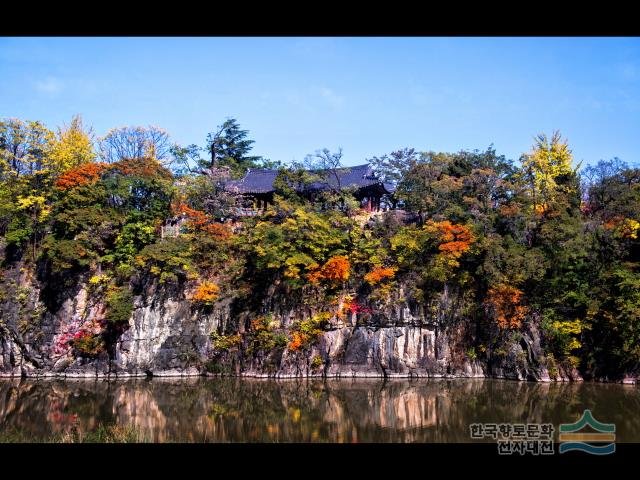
[427, 185]
[26, 174]
[295, 239]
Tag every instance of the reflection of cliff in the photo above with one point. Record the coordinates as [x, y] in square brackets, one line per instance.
[409, 409]
[237, 410]
[136, 406]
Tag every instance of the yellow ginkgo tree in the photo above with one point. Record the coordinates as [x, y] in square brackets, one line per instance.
[73, 146]
[549, 161]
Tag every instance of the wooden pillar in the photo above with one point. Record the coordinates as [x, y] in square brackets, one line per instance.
[368, 204]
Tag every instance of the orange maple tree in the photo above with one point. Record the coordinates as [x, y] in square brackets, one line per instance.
[456, 239]
[505, 301]
[141, 167]
[84, 174]
[378, 274]
[298, 340]
[336, 270]
[217, 231]
[199, 221]
[206, 293]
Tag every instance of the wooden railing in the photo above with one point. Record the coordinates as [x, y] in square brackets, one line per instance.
[245, 212]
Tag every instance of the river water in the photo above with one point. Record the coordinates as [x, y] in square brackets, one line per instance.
[362, 410]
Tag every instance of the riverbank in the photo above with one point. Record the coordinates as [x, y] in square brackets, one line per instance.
[357, 375]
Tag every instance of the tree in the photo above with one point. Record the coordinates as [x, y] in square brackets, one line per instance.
[186, 160]
[611, 189]
[107, 213]
[24, 147]
[295, 241]
[207, 193]
[316, 178]
[336, 270]
[323, 177]
[426, 187]
[83, 174]
[229, 146]
[391, 168]
[506, 303]
[547, 170]
[326, 167]
[73, 146]
[25, 182]
[136, 142]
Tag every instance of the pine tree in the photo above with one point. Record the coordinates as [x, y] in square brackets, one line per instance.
[230, 147]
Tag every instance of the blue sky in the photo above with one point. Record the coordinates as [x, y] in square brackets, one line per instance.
[366, 95]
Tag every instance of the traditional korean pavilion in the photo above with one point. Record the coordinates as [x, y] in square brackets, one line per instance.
[257, 185]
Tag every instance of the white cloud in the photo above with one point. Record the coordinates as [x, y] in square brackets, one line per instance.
[49, 86]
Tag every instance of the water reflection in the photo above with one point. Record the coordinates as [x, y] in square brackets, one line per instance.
[243, 410]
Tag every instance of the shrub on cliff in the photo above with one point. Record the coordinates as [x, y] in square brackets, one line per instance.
[119, 305]
[263, 336]
[170, 260]
[206, 293]
[305, 333]
[87, 344]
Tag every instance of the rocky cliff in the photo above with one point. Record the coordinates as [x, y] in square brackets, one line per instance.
[167, 337]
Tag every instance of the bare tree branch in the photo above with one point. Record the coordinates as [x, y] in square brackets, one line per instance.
[136, 142]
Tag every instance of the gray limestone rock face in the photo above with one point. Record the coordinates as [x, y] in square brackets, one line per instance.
[166, 336]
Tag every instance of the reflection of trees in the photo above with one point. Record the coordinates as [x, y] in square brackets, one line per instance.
[244, 410]
[46, 407]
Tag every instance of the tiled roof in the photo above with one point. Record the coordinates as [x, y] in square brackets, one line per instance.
[258, 180]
